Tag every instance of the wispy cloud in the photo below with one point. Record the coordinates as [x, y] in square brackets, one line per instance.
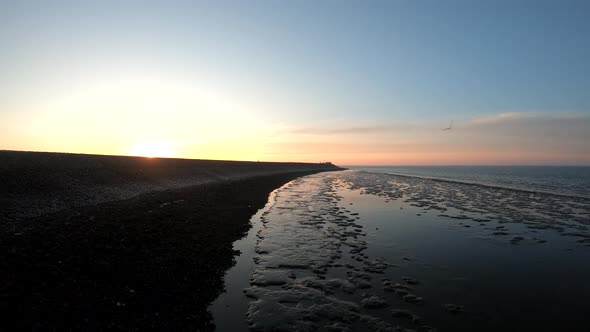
[512, 116]
[505, 138]
[358, 129]
[563, 127]
[500, 117]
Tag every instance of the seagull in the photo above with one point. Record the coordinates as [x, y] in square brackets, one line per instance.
[449, 127]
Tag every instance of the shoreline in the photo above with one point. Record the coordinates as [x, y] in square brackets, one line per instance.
[92, 242]
[39, 183]
[229, 308]
[414, 254]
[152, 262]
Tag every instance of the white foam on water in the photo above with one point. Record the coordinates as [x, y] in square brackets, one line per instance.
[355, 251]
[304, 235]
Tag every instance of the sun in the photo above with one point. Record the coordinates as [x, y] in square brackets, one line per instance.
[152, 149]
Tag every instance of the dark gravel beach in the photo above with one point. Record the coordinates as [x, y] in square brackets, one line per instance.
[38, 183]
[152, 262]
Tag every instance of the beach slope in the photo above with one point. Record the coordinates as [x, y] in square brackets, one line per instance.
[121, 243]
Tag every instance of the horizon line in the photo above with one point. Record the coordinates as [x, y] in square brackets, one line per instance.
[309, 162]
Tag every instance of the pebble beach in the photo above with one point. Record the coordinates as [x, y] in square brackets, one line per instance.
[122, 243]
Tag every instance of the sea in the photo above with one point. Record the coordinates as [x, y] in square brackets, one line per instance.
[563, 180]
[416, 249]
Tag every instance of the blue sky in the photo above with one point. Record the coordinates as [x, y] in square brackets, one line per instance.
[304, 66]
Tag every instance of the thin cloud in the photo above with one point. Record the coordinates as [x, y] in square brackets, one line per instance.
[500, 117]
[512, 116]
[505, 138]
[355, 130]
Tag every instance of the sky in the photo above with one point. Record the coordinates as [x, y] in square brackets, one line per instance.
[352, 82]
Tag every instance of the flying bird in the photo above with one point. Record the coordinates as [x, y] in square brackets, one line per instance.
[449, 127]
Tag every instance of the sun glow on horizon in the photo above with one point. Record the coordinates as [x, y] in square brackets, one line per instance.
[155, 149]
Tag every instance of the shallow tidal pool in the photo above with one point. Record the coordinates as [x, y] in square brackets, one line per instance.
[360, 251]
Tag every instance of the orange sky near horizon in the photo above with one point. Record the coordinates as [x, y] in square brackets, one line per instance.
[355, 84]
[174, 118]
[502, 140]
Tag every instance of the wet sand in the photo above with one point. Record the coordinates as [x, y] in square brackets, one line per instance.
[355, 251]
[151, 262]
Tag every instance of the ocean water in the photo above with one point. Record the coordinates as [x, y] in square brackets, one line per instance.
[361, 250]
[564, 180]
